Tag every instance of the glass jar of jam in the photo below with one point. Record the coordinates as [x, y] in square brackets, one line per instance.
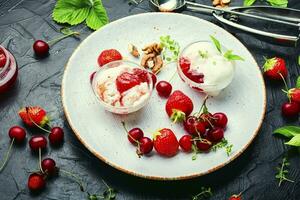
[8, 70]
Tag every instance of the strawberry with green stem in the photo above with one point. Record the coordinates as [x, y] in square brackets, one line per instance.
[165, 142]
[275, 68]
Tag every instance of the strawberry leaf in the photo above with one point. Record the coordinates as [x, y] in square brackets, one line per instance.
[230, 56]
[295, 141]
[97, 16]
[217, 43]
[249, 2]
[278, 3]
[288, 131]
[298, 82]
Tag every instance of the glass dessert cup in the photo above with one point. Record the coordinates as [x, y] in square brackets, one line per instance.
[198, 81]
[111, 71]
[8, 72]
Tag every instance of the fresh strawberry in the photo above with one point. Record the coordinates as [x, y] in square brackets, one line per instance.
[165, 142]
[126, 80]
[236, 197]
[274, 68]
[108, 55]
[179, 106]
[34, 114]
[294, 94]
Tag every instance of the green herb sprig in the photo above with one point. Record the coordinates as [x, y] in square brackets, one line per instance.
[75, 12]
[223, 144]
[277, 3]
[204, 193]
[283, 171]
[170, 47]
[108, 194]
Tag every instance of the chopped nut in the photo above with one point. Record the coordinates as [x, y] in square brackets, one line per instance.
[158, 64]
[146, 58]
[133, 50]
[225, 2]
[216, 2]
[152, 48]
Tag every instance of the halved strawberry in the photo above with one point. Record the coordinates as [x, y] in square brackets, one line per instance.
[274, 68]
[126, 80]
[165, 142]
[34, 114]
[179, 106]
[109, 55]
[294, 94]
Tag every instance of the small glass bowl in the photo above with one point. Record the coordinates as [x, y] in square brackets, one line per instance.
[212, 90]
[9, 72]
[121, 109]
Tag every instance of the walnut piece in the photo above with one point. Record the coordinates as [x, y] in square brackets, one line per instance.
[216, 2]
[152, 48]
[221, 3]
[133, 50]
[151, 58]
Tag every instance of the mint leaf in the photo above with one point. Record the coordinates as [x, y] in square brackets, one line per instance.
[230, 56]
[278, 3]
[75, 12]
[249, 2]
[288, 131]
[298, 82]
[217, 43]
[97, 16]
[295, 141]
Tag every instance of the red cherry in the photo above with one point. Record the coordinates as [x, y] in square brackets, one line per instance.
[36, 182]
[236, 197]
[164, 88]
[56, 136]
[146, 145]
[204, 145]
[220, 120]
[185, 143]
[207, 119]
[37, 142]
[2, 59]
[154, 79]
[17, 133]
[41, 48]
[135, 135]
[48, 166]
[290, 109]
[215, 135]
[193, 126]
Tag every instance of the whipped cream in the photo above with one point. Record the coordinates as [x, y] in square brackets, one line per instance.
[108, 92]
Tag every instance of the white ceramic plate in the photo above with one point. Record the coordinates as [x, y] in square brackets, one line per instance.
[244, 101]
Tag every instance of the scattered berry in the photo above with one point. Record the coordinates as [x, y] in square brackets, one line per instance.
[145, 145]
[179, 106]
[17, 133]
[56, 136]
[41, 48]
[37, 142]
[36, 182]
[165, 142]
[204, 145]
[49, 166]
[215, 135]
[164, 88]
[290, 109]
[294, 94]
[236, 197]
[194, 126]
[34, 114]
[207, 119]
[108, 56]
[274, 68]
[135, 135]
[185, 143]
[220, 120]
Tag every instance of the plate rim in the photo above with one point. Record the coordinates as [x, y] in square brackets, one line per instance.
[185, 177]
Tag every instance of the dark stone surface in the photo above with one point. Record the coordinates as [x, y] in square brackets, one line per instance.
[23, 21]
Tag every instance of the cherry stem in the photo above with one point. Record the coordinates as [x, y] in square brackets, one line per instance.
[285, 85]
[123, 123]
[7, 155]
[203, 104]
[74, 177]
[36, 123]
[40, 160]
[52, 42]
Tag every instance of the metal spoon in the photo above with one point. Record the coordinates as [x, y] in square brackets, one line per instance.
[175, 5]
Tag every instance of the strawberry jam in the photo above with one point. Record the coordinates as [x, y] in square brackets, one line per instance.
[8, 70]
[185, 67]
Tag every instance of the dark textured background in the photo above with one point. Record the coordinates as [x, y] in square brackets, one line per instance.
[23, 21]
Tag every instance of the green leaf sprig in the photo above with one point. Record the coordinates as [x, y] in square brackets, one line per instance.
[75, 12]
[277, 3]
[228, 54]
[291, 132]
[170, 47]
[223, 144]
[282, 172]
[108, 194]
[204, 193]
